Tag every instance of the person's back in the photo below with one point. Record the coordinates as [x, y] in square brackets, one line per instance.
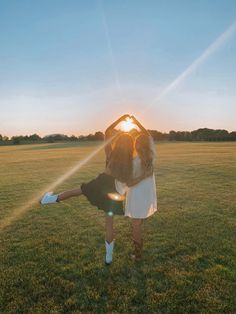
[141, 198]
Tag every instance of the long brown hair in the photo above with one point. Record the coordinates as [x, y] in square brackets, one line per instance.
[145, 152]
[120, 161]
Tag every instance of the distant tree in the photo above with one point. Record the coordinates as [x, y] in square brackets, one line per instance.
[82, 138]
[90, 137]
[187, 136]
[34, 137]
[172, 135]
[232, 136]
[55, 138]
[73, 138]
[4, 140]
[99, 136]
[16, 140]
[221, 135]
[201, 134]
[157, 136]
[49, 139]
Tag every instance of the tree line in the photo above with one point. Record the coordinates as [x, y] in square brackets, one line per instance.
[203, 134]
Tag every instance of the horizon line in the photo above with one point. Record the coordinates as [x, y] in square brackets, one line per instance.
[74, 134]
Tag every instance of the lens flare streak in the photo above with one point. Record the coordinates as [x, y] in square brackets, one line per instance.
[109, 47]
[218, 43]
[20, 211]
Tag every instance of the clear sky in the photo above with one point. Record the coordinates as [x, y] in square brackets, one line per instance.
[73, 66]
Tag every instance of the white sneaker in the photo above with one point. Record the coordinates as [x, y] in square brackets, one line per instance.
[109, 252]
[49, 198]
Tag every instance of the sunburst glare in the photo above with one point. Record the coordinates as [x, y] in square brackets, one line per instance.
[127, 125]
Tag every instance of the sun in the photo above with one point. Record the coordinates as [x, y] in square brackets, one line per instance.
[127, 125]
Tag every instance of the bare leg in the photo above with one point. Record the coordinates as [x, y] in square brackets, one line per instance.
[137, 229]
[68, 194]
[109, 229]
[137, 238]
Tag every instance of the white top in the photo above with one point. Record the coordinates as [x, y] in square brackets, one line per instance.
[141, 199]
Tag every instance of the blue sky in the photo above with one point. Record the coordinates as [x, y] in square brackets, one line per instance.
[74, 66]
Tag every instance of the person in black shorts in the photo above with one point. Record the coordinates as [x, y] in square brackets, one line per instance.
[101, 191]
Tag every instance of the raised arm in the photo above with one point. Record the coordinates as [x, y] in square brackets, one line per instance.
[141, 127]
[113, 125]
[109, 134]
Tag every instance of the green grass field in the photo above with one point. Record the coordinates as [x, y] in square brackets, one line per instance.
[51, 258]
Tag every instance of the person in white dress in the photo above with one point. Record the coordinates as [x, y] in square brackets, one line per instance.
[101, 191]
[141, 199]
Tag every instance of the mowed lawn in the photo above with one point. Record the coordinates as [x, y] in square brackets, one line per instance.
[51, 258]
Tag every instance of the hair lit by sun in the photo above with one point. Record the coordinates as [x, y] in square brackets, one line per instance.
[127, 125]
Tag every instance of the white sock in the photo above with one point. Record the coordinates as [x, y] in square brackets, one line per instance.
[109, 251]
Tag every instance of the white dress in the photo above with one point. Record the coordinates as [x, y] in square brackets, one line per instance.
[141, 199]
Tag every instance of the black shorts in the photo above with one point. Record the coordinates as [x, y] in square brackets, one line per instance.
[97, 191]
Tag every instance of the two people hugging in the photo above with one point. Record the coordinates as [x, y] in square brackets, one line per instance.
[127, 185]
